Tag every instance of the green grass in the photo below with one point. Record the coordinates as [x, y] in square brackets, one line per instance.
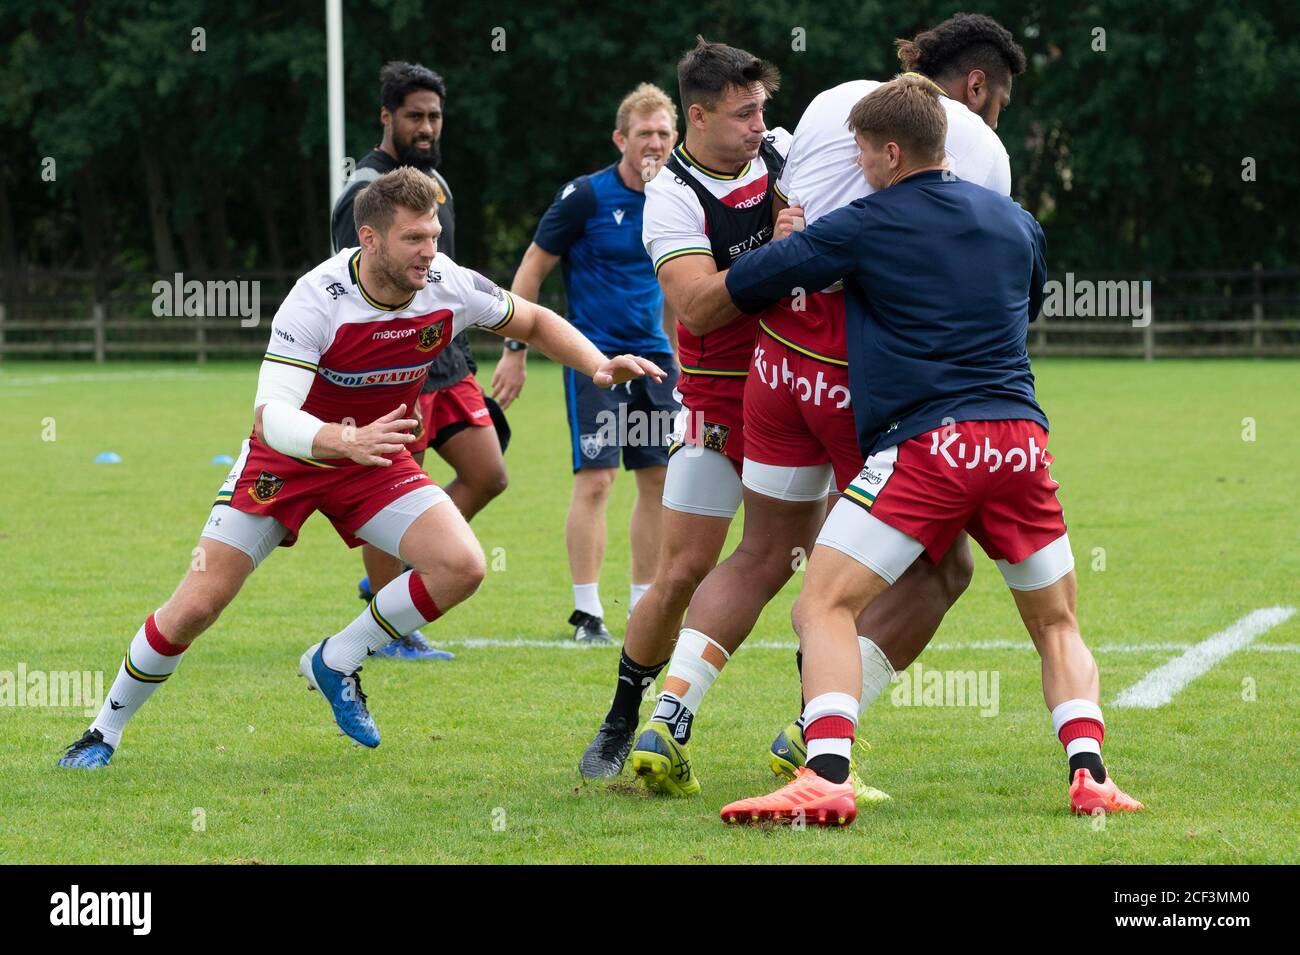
[1198, 528]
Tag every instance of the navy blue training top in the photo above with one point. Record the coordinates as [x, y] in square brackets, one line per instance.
[594, 223]
[941, 278]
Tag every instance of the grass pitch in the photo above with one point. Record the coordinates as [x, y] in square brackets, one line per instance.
[1182, 515]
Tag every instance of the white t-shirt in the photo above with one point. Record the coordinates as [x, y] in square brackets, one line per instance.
[821, 170]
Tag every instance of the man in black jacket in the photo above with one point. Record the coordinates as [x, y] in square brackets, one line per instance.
[456, 417]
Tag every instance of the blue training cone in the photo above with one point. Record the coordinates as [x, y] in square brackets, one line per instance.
[224, 460]
[108, 457]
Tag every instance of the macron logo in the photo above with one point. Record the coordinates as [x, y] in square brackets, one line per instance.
[618, 216]
[568, 191]
[103, 908]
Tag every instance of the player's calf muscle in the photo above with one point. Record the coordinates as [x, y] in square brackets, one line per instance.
[203, 593]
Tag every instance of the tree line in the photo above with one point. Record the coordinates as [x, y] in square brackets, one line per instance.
[192, 135]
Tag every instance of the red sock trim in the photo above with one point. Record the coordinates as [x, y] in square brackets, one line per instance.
[423, 602]
[829, 727]
[1081, 727]
[158, 642]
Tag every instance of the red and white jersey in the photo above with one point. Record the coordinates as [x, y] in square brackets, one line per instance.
[368, 356]
[821, 170]
[675, 223]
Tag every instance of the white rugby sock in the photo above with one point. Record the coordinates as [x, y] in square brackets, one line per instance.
[149, 661]
[586, 597]
[696, 663]
[402, 606]
[635, 593]
[877, 671]
[830, 720]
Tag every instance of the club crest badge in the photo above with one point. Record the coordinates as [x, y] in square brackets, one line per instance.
[590, 445]
[715, 436]
[430, 337]
[266, 487]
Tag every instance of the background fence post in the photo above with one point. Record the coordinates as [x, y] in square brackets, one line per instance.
[1257, 309]
[1149, 331]
[97, 313]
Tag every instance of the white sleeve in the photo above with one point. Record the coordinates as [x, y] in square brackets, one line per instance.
[300, 328]
[672, 224]
[999, 177]
[288, 370]
[478, 300]
[281, 391]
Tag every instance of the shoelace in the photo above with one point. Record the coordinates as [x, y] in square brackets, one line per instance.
[355, 677]
[615, 741]
[88, 739]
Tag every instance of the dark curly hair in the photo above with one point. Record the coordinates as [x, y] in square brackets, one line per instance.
[964, 42]
[397, 80]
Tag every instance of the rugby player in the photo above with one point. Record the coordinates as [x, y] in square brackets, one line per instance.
[455, 417]
[351, 343]
[799, 427]
[941, 278]
[800, 439]
[710, 203]
[594, 227]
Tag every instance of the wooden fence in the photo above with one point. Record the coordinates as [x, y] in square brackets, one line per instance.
[71, 314]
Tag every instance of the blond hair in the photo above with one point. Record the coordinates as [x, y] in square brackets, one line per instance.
[646, 100]
[405, 186]
[907, 111]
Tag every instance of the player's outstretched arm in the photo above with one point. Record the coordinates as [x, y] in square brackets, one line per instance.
[558, 340]
[697, 292]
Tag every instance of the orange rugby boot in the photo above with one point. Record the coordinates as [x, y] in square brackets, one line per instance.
[1087, 796]
[808, 798]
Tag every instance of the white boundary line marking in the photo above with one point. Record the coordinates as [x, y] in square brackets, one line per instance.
[60, 378]
[491, 643]
[1159, 686]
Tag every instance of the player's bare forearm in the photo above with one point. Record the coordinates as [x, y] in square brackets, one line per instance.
[670, 328]
[554, 337]
[558, 340]
[697, 293]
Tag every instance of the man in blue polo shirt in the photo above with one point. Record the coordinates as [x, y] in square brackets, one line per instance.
[594, 228]
[941, 278]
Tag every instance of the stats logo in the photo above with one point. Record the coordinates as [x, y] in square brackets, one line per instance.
[74, 908]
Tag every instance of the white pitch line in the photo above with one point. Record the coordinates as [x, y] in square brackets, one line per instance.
[491, 643]
[60, 379]
[1159, 686]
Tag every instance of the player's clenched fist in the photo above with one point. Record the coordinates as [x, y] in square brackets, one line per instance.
[386, 435]
[623, 368]
[788, 220]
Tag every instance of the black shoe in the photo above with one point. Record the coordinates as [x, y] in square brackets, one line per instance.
[605, 755]
[589, 629]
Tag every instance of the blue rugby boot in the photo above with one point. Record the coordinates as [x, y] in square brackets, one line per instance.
[343, 693]
[89, 752]
[413, 646]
